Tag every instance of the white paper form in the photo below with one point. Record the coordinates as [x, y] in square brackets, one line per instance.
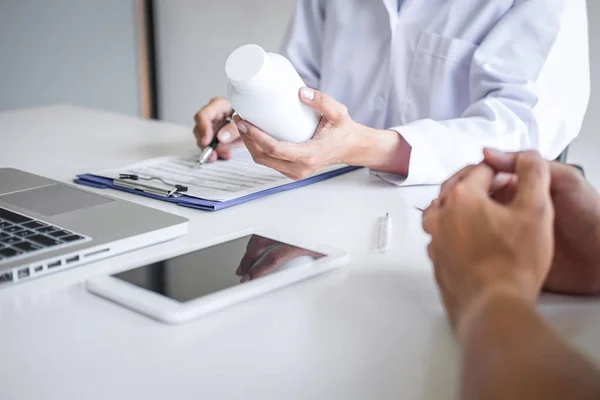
[218, 181]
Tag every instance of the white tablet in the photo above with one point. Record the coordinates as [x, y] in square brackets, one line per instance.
[219, 274]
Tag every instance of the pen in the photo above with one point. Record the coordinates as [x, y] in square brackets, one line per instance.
[208, 150]
[385, 234]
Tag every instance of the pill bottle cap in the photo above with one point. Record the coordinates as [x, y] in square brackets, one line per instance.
[248, 68]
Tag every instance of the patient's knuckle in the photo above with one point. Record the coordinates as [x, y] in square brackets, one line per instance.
[445, 186]
[531, 155]
[427, 224]
[536, 166]
[539, 208]
[533, 161]
[459, 192]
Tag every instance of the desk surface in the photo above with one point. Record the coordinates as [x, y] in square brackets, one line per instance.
[376, 329]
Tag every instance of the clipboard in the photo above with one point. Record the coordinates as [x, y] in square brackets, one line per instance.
[174, 193]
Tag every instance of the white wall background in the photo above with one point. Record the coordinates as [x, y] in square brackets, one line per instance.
[69, 51]
[194, 38]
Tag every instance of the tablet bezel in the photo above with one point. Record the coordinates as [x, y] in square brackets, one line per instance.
[171, 311]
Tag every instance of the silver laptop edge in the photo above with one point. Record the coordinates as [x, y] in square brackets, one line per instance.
[47, 226]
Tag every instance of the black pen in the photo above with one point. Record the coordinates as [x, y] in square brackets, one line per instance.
[208, 150]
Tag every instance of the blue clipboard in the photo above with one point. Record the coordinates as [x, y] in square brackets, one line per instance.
[203, 204]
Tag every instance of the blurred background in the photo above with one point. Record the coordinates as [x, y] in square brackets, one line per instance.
[164, 58]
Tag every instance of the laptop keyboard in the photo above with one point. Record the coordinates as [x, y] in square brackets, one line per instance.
[20, 235]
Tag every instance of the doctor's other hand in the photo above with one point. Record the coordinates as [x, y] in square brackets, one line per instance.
[482, 248]
[576, 263]
[208, 121]
[264, 256]
[337, 140]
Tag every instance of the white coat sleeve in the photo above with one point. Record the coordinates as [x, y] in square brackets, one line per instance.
[303, 40]
[529, 89]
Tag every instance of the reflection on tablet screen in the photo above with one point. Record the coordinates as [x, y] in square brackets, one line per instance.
[215, 268]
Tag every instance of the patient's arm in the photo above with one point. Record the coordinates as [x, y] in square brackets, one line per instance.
[511, 353]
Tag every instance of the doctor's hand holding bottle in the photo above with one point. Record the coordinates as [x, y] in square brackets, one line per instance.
[337, 140]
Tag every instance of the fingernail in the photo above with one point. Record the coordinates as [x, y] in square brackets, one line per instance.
[238, 270]
[497, 153]
[224, 136]
[307, 93]
[500, 180]
[245, 278]
[242, 127]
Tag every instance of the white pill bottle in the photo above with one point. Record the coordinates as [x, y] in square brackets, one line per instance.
[264, 90]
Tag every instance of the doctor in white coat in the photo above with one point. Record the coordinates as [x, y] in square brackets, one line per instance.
[415, 89]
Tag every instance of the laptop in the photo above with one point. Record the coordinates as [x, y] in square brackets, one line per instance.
[47, 226]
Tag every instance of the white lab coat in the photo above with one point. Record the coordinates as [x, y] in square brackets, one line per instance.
[451, 77]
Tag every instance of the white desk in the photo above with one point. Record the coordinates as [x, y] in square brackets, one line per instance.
[374, 331]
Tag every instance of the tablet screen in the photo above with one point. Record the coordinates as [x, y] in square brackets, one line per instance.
[192, 275]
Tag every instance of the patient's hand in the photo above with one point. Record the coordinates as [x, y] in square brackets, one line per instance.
[481, 247]
[576, 263]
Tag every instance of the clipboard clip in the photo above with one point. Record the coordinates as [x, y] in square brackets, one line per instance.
[174, 190]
